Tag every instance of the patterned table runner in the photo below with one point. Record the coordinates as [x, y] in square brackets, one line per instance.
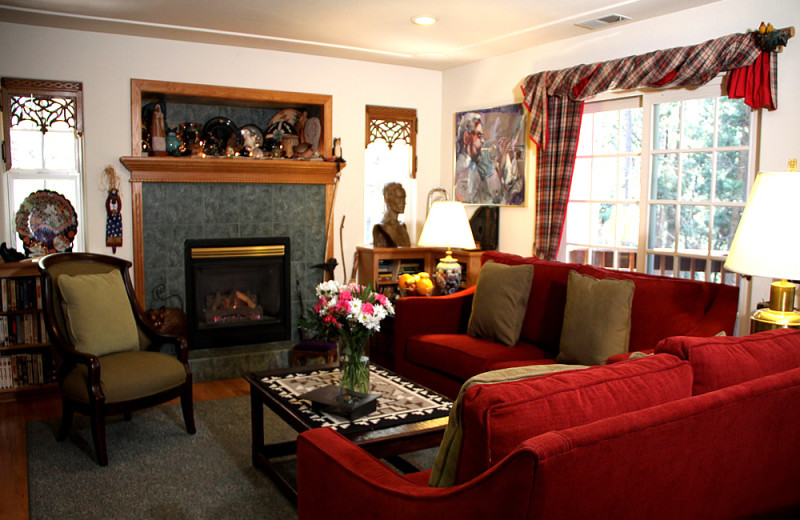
[401, 401]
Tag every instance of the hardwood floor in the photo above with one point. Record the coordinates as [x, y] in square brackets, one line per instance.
[13, 416]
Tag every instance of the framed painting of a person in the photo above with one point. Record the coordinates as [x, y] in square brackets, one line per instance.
[490, 156]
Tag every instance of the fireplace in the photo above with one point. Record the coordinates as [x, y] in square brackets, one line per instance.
[237, 290]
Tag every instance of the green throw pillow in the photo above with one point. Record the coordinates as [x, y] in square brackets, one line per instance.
[597, 319]
[500, 301]
[98, 313]
[444, 469]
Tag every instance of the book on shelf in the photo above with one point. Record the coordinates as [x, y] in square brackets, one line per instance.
[411, 267]
[23, 369]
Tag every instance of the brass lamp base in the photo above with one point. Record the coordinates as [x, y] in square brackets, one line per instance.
[448, 273]
[781, 313]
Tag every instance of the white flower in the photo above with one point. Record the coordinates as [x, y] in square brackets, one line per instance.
[328, 289]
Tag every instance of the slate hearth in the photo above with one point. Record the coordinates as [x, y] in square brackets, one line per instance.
[233, 362]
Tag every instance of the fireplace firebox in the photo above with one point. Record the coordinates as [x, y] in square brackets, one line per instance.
[237, 291]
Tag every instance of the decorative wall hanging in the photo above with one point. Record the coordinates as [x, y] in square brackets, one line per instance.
[113, 209]
[490, 156]
[46, 223]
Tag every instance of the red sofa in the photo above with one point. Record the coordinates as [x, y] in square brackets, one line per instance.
[718, 437]
[431, 345]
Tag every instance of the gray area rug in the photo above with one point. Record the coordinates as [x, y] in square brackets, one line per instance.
[157, 470]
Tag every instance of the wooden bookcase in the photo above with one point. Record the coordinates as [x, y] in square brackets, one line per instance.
[26, 356]
[381, 266]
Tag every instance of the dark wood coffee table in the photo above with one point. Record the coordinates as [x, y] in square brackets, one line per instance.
[385, 442]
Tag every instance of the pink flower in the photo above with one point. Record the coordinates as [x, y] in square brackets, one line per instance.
[320, 304]
[367, 308]
[343, 306]
[345, 296]
[381, 299]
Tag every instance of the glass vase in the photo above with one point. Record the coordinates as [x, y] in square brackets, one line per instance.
[353, 364]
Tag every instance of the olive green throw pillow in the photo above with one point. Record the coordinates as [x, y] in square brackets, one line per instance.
[597, 319]
[500, 301]
[98, 313]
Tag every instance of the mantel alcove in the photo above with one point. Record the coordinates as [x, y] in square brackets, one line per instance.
[206, 170]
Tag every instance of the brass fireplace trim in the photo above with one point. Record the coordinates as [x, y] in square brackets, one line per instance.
[238, 251]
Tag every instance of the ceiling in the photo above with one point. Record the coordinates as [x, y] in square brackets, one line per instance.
[370, 30]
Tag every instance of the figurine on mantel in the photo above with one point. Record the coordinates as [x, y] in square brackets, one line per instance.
[391, 232]
[158, 137]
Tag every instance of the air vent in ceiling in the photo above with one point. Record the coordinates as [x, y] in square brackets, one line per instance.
[596, 23]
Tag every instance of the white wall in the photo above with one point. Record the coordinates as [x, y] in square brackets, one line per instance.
[106, 63]
[496, 82]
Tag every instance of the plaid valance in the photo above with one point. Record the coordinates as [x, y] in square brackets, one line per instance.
[681, 66]
[555, 100]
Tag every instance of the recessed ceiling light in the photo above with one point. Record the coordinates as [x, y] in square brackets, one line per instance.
[424, 20]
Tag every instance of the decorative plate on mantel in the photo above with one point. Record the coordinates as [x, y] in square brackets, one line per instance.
[46, 223]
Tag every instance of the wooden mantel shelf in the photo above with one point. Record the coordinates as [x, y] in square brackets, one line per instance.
[231, 170]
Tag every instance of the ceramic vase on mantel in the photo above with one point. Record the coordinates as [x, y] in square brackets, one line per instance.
[353, 364]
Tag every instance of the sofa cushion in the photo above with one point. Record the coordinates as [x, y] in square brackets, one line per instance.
[500, 301]
[597, 319]
[721, 361]
[548, 295]
[461, 356]
[694, 307]
[98, 313]
[683, 301]
[443, 472]
[495, 419]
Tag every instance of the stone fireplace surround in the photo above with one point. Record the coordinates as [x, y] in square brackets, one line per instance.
[174, 198]
[171, 206]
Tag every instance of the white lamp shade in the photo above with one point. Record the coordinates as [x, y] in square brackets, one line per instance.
[447, 226]
[765, 243]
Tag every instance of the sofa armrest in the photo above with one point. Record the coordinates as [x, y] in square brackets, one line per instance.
[417, 315]
[336, 478]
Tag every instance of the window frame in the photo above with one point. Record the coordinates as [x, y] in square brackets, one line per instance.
[649, 98]
[403, 126]
[20, 87]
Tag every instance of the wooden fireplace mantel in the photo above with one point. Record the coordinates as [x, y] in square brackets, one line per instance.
[222, 170]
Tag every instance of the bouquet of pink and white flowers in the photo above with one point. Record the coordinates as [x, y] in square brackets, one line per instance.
[348, 314]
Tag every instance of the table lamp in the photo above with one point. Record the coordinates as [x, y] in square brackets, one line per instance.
[447, 226]
[764, 245]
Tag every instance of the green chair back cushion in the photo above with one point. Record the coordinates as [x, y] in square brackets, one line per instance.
[98, 313]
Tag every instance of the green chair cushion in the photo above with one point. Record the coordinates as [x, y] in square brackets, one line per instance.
[98, 313]
[125, 376]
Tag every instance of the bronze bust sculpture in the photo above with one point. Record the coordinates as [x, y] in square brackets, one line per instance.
[391, 232]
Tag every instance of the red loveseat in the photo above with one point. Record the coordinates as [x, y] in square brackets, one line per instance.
[431, 345]
[709, 429]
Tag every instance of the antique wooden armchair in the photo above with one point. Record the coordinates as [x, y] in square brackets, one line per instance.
[109, 358]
